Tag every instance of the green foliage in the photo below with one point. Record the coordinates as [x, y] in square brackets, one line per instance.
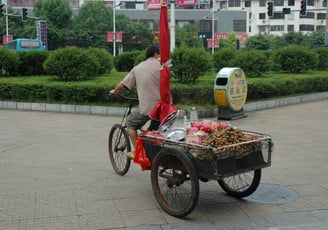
[95, 91]
[254, 63]
[91, 24]
[189, 63]
[9, 62]
[187, 35]
[222, 57]
[31, 62]
[258, 42]
[71, 64]
[323, 58]
[58, 15]
[125, 61]
[296, 59]
[272, 87]
[104, 59]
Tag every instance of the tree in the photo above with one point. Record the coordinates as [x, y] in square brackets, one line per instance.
[57, 14]
[91, 24]
[258, 42]
[187, 35]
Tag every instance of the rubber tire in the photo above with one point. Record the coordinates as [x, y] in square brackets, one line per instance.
[248, 190]
[182, 163]
[119, 159]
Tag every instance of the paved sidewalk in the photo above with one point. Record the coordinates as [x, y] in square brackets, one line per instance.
[55, 174]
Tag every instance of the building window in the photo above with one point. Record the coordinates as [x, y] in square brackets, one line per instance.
[223, 4]
[248, 3]
[277, 28]
[308, 15]
[239, 26]
[322, 28]
[205, 26]
[291, 2]
[310, 2]
[290, 28]
[262, 29]
[324, 3]
[278, 15]
[278, 2]
[130, 5]
[306, 27]
[234, 3]
[321, 16]
[262, 3]
[262, 15]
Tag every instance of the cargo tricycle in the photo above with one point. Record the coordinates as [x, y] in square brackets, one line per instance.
[177, 166]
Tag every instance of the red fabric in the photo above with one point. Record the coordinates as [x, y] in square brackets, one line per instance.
[164, 111]
[140, 155]
[164, 35]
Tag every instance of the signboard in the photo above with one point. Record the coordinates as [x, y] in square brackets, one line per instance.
[155, 4]
[237, 90]
[6, 39]
[209, 43]
[118, 36]
[186, 2]
[41, 28]
[240, 36]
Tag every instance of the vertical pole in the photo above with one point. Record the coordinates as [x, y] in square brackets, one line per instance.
[7, 29]
[172, 32]
[212, 26]
[114, 28]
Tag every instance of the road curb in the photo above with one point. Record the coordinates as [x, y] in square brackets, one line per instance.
[117, 111]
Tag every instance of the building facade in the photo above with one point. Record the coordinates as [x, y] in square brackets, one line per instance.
[240, 16]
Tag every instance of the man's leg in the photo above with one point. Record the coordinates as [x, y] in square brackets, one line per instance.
[133, 136]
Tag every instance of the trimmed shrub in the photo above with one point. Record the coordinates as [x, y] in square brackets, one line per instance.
[189, 63]
[222, 58]
[104, 59]
[9, 62]
[254, 63]
[296, 59]
[323, 58]
[31, 62]
[125, 61]
[71, 64]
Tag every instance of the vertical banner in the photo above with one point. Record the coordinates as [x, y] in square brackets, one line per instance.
[209, 43]
[6, 39]
[41, 28]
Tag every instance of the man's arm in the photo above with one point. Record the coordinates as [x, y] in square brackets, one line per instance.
[117, 89]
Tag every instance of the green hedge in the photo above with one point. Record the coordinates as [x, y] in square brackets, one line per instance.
[46, 89]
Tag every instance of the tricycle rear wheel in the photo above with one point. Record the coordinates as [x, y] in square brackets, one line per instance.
[174, 182]
[241, 185]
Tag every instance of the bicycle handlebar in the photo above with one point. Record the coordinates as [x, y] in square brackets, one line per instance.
[125, 97]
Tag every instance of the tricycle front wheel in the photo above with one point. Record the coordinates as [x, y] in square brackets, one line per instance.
[118, 147]
[241, 185]
[174, 182]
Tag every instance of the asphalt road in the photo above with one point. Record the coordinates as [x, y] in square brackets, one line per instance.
[55, 174]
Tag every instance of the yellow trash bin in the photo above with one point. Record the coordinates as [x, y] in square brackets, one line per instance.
[230, 92]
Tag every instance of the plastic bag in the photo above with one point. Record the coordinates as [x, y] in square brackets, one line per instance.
[140, 155]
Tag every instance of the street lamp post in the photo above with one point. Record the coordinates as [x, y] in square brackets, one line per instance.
[212, 28]
[172, 35]
[114, 28]
[213, 21]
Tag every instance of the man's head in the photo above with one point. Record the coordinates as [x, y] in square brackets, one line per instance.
[152, 51]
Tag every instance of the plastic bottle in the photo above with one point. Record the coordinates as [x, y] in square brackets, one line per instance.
[186, 123]
[193, 115]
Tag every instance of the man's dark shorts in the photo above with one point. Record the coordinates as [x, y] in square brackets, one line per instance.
[136, 121]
